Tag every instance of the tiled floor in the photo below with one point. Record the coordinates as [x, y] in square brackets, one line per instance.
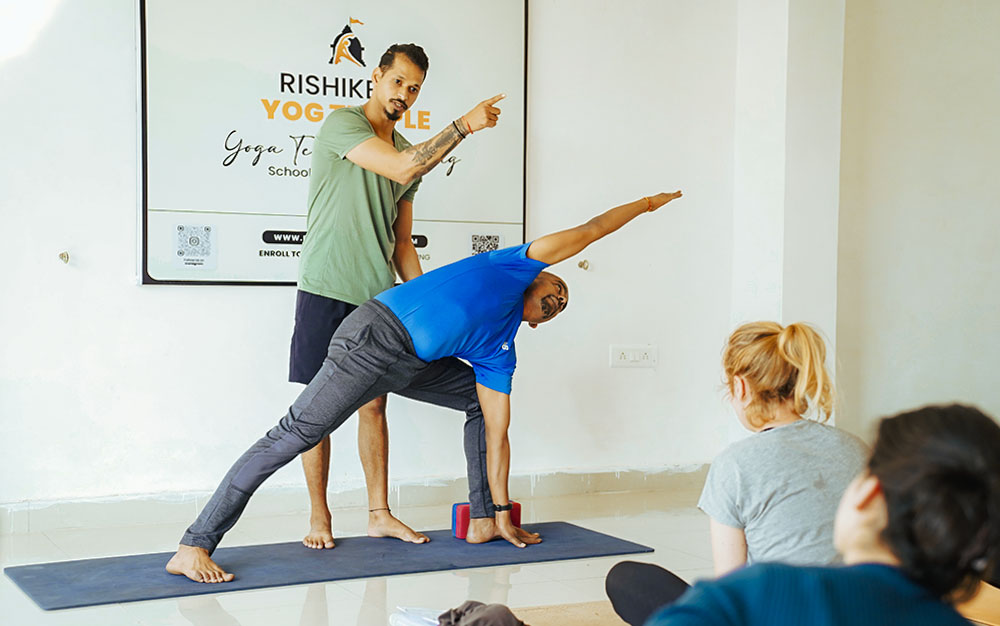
[666, 521]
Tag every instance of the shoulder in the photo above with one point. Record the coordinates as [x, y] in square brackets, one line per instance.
[724, 601]
[762, 571]
[725, 471]
[841, 438]
[770, 578]
[727, 477]
[509, 253]
[740, 450]
[764, 577]
[344, 118]
[515, 256]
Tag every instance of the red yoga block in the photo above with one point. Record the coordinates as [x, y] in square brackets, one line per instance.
[460, 518]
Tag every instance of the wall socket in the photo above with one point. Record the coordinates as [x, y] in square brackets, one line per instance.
[633, 355]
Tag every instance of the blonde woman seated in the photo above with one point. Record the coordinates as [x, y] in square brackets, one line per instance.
[772, 496]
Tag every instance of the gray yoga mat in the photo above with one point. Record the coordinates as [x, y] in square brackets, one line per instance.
[88, 582]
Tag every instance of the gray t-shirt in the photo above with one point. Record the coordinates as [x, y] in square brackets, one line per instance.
[782, 487]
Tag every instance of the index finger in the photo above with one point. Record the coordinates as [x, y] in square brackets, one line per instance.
[495, 99]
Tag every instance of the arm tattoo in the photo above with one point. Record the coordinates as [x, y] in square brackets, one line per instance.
[428, 154]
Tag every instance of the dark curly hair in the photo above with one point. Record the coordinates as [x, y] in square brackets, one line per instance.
[412, 51]
[939, 467]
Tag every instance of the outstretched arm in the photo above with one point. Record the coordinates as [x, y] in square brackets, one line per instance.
[560, 246]
[496, 413]
[378, 156]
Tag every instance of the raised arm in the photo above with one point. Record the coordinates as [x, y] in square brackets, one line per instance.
[378, 156]
[496, 413]
[560, 246]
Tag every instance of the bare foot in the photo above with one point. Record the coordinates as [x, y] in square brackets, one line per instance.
[385, 524]
[320, 533]
[197, 565]
[483, 529]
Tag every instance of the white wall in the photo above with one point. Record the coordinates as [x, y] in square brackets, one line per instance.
[625, 103]
[787, 153]
[919, 275]
[110, 388]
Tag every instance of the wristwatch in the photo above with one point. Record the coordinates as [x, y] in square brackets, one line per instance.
[503, 507]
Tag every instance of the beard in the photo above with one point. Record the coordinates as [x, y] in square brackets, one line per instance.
[393, 114]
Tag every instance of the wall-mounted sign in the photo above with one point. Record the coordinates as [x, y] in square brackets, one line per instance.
[234, 94]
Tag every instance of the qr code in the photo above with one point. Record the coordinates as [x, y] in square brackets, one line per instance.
[194, 246]
[485, 243]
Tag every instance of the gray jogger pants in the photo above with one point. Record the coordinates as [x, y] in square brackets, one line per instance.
[371, 354]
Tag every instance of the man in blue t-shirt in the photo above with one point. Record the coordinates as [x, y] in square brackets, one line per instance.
[410, 341]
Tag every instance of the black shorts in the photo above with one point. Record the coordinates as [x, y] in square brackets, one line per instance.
[316, 319]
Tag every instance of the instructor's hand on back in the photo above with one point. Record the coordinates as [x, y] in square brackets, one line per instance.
[484, 114]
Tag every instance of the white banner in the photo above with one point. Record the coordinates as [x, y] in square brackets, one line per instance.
[234, 93]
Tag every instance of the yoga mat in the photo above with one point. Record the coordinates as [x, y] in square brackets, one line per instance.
[88, 582]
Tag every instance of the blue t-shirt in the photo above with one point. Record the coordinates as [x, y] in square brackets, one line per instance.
[784, 595]
[470, 309]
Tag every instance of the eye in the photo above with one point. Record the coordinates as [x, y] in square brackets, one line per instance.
[398, 81]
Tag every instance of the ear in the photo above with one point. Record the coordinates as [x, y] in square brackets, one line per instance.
[867, 491]
[376, 74]
[741, 390]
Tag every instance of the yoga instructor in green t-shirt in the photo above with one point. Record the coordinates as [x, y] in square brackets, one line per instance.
[360, 217]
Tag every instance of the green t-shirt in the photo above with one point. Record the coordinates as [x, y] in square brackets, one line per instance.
[347, 253]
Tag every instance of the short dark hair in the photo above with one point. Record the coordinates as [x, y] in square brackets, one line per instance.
[412, 51]
[939, 468]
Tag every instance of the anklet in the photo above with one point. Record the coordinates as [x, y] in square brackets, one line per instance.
[385, 508]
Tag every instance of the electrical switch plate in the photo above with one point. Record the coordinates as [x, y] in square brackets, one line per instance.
[631, 355]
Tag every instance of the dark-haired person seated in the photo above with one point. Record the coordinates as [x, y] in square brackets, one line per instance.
[918, 530]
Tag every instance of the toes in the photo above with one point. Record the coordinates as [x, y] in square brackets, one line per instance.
[317, 544]
[220, 576]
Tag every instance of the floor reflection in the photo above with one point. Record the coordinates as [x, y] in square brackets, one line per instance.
[205, 611]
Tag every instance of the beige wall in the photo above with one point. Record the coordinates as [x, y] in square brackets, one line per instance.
[919, 263]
